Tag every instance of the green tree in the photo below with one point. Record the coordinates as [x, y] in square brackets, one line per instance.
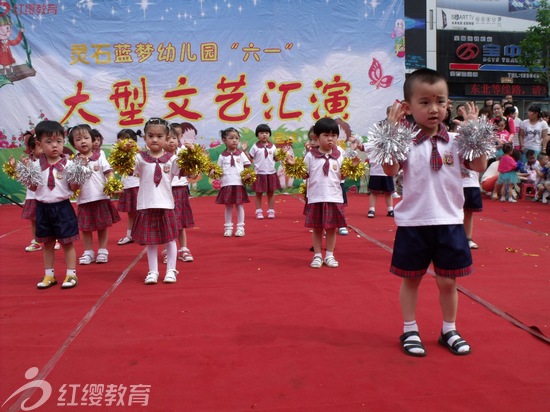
[535, 48]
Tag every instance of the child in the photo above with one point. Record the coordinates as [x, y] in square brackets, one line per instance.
[472, 202]
[97, 140]
[430, 216]
[55, 216]
[95, 209]
[128, 200]
[155, 221]
[262, 155]
[507, 176]
[542, 182]
[380, 183]
[325, 204]
[503, 136]
[232, 192]
[180, 192]
[29, 208]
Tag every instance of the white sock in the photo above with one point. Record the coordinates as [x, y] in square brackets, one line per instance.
[152, 255]
[171, 254]
[49, 272]
[129, 233]
[328, 253]
[371, 209]
[390, 208]
[449, 326]
[411, 326]
[71, 272]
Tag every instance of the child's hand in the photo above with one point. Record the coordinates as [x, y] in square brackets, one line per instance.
[244, 145]
[355, 161]
[188, 145]
[472, 111]
[25, 160]
[396, 113]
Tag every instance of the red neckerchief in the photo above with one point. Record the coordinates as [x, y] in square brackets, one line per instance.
[59, 166]
[157, 177]
[436, 162]
[228, 153]
[335, 154]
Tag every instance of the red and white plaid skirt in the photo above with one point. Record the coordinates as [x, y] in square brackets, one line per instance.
[184, 214]
[29, 210]
[266, 183]
[155, 226]
[128, 200]
[232, 195]
[325, 215]
[97, 215]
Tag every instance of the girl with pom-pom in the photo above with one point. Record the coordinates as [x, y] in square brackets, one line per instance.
[55, 216]
[155, 222]
[262, 155]
[324, 211]
[96, 212]
[430, 216]
[128, 199]
[232, 193]
[180, 191]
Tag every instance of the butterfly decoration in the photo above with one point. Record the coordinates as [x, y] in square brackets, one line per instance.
[376, 75]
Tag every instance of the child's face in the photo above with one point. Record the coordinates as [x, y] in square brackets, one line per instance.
[543, 160]
[313, 140]
[531, 159]
[327, 141]
[83, 141]
[52, 146]
[428, 105]
[96, 143]
[5, 31]
[263, 136]
[232, 140]
[171, 143]
[501, 125]
[188, 136]
[155, 137]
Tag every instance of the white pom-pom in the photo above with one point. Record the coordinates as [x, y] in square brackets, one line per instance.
[77, 172]
[28, 175]
[389, 143]
[476, 138]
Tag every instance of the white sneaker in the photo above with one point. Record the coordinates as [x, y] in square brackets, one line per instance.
[228, 232]
[259, 214]
[503, 199]
[152, 278]
[171, 276]
[239, 232]
[472, 244]
[395, 195]
[545, 197]
[86, 259]
[512, 200]
[271, 214]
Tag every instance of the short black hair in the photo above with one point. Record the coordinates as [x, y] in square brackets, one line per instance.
[423, 75]
[326, 125]
[48, 128]
[263, 128]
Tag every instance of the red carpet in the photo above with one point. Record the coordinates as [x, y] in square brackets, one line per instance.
[249, 326]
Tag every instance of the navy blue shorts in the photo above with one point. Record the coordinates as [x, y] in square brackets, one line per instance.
[472, 199]
[444, 245]
[381, 184]
[56, 221]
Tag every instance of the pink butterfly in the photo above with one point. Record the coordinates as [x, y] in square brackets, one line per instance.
[375, 74]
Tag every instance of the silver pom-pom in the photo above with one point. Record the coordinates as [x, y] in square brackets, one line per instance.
[28, 174]
[389, 143]
[77, 172]
[476, 138]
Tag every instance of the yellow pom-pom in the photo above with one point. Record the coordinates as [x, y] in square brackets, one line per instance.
[216, 171]
[112, 187]
[303, 189]
[9, 168]
[298, 170]
[123, 156]
[280, 155]
[248, 176]
[194, 161]
[75, 195]
[354, 172]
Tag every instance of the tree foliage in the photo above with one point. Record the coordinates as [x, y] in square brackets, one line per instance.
[535, 48]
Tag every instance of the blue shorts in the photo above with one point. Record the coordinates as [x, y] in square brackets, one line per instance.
[472, 199]
[444, 245]
[56, 221]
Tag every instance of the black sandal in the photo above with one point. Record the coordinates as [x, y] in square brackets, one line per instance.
[412, 344]
[457, 344]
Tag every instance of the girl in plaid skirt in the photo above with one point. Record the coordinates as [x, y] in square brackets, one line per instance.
[232, 192]
[128, 199]
[96, 212]
[325, 204]
[155, 222]
[262, 154]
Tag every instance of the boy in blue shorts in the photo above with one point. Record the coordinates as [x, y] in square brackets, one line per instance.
[430, 216]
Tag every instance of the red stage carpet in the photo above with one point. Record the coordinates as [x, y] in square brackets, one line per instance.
[249, 326]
